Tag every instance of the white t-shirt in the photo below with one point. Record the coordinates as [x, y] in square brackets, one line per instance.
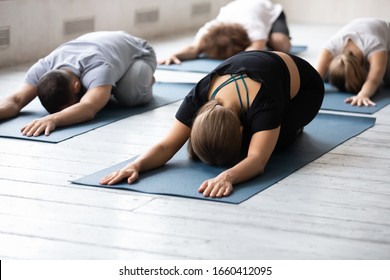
[98, 58]
[256, 16]
[369, 34]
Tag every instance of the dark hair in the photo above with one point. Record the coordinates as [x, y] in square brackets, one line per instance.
[215, 136]
[346, 74]
[224, 40]
[54, 91]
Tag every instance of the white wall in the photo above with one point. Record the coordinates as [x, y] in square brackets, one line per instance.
[35, 27]
[334, 11]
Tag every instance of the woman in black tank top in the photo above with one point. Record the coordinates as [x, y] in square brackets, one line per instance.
[235, 117]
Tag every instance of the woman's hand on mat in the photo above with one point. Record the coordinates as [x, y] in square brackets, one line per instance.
[37, 127]
[129, 172]
[170, 60]
[217, 187]
[359, 101]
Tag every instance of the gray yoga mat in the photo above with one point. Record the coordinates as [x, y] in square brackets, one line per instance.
[164, 93]
[182, 177]
[334, 101]
[205, 65]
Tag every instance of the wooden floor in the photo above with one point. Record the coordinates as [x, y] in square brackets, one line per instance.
[337, 207]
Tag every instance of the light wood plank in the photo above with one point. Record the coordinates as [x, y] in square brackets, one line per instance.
[336, 207]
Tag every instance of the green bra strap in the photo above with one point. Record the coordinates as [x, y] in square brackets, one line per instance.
[246, 89]
[239, 93]
[239, 97]
[228, 81]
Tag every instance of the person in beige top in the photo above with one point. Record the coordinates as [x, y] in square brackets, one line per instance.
[356, 59]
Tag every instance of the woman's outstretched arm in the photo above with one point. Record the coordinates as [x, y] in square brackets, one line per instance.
[378, 64]
[323, 62]
[260, 149]
[157, 156]
[186, 53]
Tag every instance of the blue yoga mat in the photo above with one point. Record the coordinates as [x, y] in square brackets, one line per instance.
[205, 65]
[182, 177]
[164, 93]
[199, 65]
[334, 101]
[297, 49]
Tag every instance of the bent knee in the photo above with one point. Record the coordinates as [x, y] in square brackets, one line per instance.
[279, 42]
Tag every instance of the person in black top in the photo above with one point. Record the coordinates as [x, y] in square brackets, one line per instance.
[236, 116]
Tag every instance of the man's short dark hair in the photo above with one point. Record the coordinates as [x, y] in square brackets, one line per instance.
[54, 90]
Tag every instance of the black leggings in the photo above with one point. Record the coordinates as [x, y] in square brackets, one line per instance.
[280, 25]
[305, 105]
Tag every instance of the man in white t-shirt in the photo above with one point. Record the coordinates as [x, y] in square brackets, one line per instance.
[78, 78]
[240, 25]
